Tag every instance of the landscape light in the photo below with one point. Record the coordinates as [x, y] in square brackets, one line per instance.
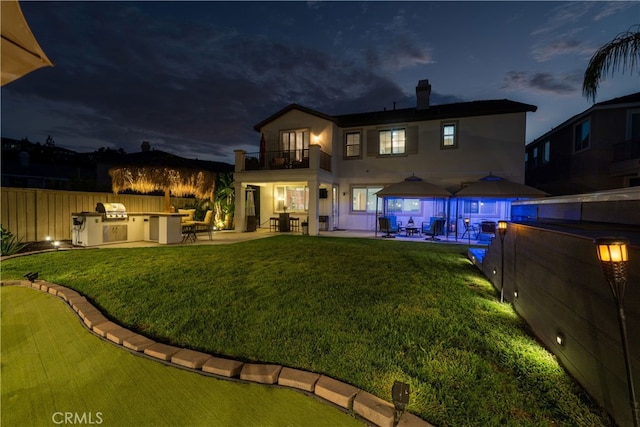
[31, 276]
[400, 396]
[613, 256]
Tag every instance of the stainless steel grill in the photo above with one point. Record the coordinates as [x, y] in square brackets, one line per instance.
[111, 211]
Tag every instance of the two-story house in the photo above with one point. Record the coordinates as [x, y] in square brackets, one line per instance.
[598, 149]
[328, 169]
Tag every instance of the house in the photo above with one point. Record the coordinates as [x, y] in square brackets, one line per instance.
[598, 149]
[327, 169]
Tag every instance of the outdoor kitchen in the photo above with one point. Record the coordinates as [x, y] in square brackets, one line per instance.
[111, 223]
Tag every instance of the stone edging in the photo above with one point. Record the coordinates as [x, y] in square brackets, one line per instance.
[373, 409]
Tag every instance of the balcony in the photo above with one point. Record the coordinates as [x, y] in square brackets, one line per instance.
[293, 159]
[626, 158]
[627, 150]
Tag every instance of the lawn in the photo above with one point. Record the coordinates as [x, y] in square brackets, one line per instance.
[48, 371]
[364, 311]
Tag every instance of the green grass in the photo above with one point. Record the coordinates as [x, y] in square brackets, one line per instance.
[365, 311]
[52, 365]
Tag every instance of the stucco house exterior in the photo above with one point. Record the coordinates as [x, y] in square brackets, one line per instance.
[326, 169]
[597, 149]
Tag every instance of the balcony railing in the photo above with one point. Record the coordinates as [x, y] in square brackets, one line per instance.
[627, 150]
[292, 159]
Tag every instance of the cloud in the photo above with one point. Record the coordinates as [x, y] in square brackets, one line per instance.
[542, 82]
[123, 76]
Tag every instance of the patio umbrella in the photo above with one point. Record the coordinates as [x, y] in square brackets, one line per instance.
[499, 188]
[413, 187]
[164, 172]
[263, 151]
[21, 53]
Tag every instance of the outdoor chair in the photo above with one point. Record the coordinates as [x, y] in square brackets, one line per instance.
[278, 163]
[433, 228]
[206, 224]
[389, 224]
[487, 232]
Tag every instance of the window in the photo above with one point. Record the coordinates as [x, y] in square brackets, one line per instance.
[546, 152]
[392, 142]
[480, 207]
[582, 136]
[363, 199]
[293, 198]
[633, 132]
[295, 145]
[403, 205]
[535, 157]
[352, 144]
[449, 137]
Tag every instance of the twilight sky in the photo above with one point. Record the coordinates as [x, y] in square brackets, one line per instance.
[193, 78]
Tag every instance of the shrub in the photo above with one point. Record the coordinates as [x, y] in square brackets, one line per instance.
[10, 244]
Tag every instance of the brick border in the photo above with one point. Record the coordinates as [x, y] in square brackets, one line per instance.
[374, 410]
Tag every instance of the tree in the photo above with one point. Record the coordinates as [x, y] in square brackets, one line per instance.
[621, 52]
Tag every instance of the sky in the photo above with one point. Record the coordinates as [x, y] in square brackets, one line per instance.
[193, 78]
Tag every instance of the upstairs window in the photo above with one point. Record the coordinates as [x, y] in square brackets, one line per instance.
[546, 152]
[295, 144]
[392, 142]
[582, 136]
[449, 136]
[353, 144]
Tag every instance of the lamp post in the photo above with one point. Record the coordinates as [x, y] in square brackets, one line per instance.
[614, 257]
[502, 230]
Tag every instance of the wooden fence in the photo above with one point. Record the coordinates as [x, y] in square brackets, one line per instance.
[32, 214]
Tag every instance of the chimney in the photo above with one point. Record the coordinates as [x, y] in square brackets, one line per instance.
[423, 92]
[145, 146]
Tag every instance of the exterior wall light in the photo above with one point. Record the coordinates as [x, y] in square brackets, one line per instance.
[515, 293]
[560, 339]
[400, 396]
[502, 231]
[614, 257]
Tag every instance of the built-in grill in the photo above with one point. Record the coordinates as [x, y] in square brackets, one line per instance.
[111, 211]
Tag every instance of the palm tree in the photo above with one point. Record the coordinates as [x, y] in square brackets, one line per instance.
[623, 51]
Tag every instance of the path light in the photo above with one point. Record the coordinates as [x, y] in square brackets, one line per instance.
[400, 396]
[614, 257]
[56, 244]
[31, 276]
[502, 230]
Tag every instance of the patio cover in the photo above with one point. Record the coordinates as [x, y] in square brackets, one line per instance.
[499, 188]
[413, 187]
[21, 53]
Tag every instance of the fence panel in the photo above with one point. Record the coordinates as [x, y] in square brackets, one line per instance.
[32, 214]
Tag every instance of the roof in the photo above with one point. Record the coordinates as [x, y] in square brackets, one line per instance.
[291, 107]
[434, 112]
[620, 102]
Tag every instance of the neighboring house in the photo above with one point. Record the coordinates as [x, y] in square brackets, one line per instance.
[598, 149]
[328, 168]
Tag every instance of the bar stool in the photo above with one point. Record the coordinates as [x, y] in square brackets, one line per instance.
[294, 224]
[273, 224]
